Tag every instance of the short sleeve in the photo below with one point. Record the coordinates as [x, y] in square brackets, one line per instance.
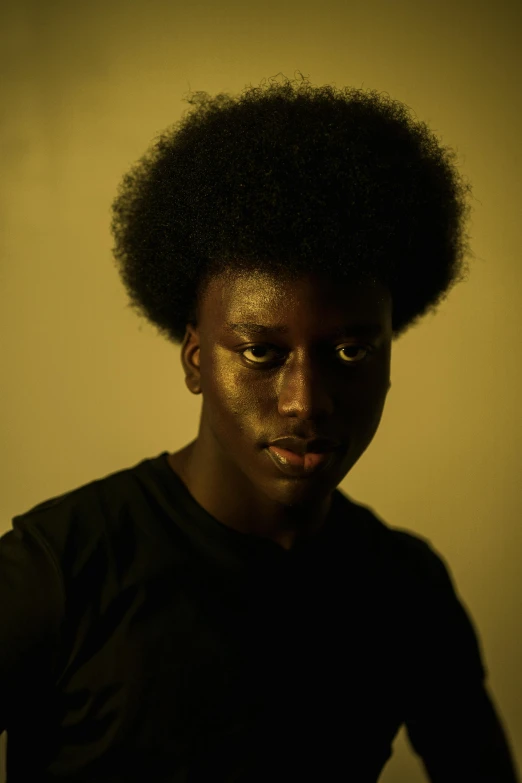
[31, 610]
[451, 721]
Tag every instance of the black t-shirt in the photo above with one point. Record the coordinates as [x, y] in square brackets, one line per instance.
[143, 640]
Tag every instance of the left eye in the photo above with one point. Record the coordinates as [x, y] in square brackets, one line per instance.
[261, 347]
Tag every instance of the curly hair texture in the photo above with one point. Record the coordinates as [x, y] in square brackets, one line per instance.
[290, 179]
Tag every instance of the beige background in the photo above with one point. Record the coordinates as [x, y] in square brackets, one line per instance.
[89, 389]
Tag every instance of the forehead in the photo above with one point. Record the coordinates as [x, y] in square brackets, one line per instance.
[264, 297]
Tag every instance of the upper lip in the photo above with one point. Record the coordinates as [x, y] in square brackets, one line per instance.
[300, 446]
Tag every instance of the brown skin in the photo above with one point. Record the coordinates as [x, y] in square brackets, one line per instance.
[312, 389]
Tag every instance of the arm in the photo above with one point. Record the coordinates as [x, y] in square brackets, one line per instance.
[451, 722]
[31, 607]
[467, 743]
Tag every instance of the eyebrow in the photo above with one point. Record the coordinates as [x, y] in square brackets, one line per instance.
[259, 329]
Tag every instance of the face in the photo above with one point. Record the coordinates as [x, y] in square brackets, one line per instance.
[322, 377]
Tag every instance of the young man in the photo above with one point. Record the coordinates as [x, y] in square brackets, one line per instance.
[224, 613]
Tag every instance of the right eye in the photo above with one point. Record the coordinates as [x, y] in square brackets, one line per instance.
[259, 347]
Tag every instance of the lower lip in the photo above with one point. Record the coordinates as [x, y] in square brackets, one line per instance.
[296, 465]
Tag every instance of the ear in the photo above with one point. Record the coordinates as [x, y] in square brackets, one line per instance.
[190, 352]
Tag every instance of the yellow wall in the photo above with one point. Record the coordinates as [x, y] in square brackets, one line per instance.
[88, 388]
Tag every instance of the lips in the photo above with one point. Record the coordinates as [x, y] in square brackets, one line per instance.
[302, 447]
[313, 456]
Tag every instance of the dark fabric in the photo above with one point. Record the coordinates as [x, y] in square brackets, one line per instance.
[141, 639]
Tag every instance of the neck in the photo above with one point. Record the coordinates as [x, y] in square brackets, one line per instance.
[227, 495]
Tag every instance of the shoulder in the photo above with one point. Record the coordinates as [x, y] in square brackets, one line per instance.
[415, 583]
[77, 526]
[406, 555]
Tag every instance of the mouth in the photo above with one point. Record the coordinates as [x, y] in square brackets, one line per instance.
[297, 465]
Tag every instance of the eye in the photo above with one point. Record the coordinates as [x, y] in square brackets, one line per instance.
[367, 348]
[261, 347]
[256, 348]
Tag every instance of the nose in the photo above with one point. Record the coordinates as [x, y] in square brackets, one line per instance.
[304, 391]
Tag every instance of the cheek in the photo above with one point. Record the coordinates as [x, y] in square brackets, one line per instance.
[363, 406]
[227, 389]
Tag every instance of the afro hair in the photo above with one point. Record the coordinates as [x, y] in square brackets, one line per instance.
[291, 179]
